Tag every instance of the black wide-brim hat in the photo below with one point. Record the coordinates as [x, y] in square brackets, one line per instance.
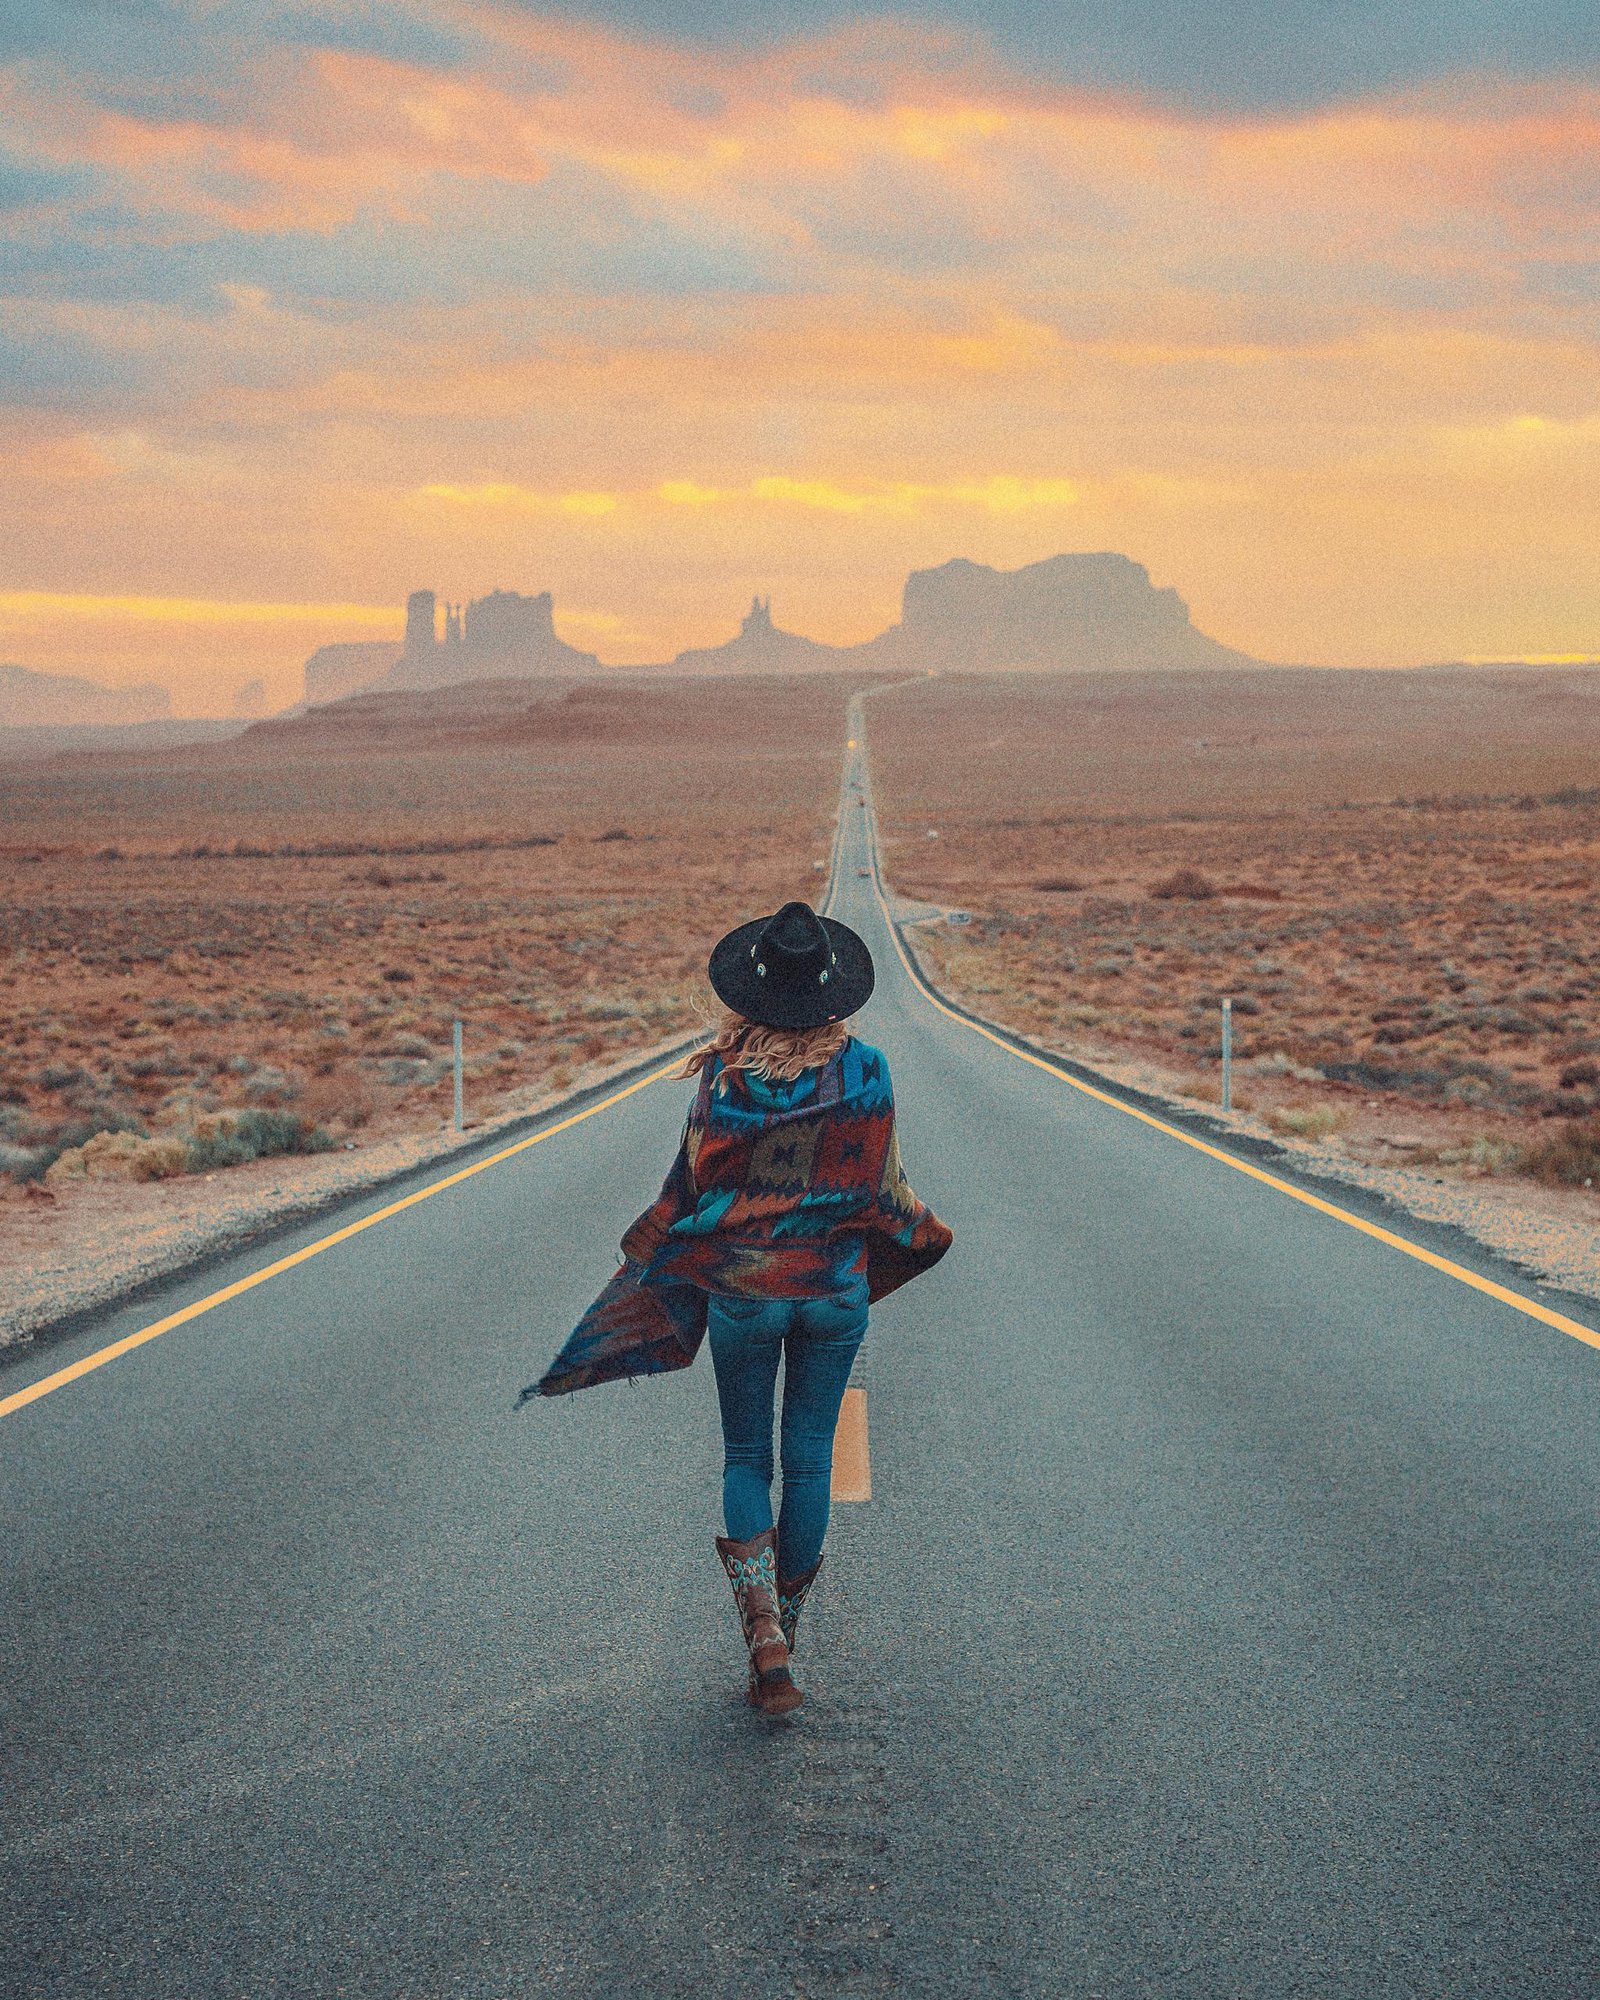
[792, 970]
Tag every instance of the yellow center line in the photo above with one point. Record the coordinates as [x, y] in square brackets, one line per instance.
[102, 1355]
[1503, 1293]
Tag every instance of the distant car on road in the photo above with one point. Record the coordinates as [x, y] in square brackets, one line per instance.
[863, 871]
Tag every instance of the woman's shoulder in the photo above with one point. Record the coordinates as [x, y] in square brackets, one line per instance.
[865, 1065]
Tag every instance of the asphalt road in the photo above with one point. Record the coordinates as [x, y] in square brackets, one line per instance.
[1223, 1622]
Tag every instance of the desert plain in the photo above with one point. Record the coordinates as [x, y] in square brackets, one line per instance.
[230, 971]
[1394, 877]
[218, 960]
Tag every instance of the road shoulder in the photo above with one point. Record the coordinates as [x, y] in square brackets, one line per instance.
[121, 1240]
[1495, 1234]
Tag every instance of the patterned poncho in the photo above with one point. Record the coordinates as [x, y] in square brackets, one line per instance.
[774, 1193]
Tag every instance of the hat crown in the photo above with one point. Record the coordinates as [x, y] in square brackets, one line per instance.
[793, 941]
[791, 970]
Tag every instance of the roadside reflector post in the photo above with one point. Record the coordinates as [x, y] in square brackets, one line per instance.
[455, 1040]
[1227, 1056]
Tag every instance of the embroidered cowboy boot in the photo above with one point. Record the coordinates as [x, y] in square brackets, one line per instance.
[753, 1571]
[791, 1596]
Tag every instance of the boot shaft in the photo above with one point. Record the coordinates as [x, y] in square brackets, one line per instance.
[752, 1570]
[792, 1593]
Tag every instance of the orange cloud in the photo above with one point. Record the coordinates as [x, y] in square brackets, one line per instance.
[1000, 494]
[501, 494]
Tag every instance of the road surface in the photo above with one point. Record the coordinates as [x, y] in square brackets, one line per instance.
[1222, 1623]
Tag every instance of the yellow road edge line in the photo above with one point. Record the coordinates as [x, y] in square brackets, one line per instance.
[22, 1397]
[1503, 1293]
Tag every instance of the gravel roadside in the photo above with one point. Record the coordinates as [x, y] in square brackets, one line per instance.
[62, 1261]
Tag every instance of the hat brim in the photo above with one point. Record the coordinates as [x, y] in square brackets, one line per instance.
[733, 979]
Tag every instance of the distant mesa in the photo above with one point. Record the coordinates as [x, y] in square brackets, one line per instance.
[30, 700]
[1070, 613]
[504, 636]
[251, 700]
[760, 648]
[1067, 614]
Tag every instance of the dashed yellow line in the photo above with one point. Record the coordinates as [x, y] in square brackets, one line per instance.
[22, 1397]
[852, 1457]
[1516, 1300]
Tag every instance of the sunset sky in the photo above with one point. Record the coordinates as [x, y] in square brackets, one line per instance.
[303, 307]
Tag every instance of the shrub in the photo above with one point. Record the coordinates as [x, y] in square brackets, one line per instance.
[1278, 1062]
[122, 1156]
[400, 1072]
[59, 1076]
[1060, 885]
[1307, 1121]
[417, 1047]
[1184, 885]
[397, 975]
[1488, 1153]
[228, 1138]
[270, 1082]
[1570, 1159]
[38, 1143]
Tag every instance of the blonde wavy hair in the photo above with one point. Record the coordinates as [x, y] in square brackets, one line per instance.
[778, 1055]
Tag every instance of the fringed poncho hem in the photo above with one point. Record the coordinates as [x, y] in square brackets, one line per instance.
[761, 1202]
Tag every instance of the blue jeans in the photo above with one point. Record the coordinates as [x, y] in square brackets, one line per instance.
[818, 1339]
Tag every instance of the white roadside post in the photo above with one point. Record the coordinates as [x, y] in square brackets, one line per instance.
[456, 1051]
[1227, 1055]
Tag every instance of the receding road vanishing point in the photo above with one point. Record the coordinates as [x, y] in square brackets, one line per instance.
[1221, 1622]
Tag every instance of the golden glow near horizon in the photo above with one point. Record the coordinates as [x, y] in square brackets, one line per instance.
[656, 325]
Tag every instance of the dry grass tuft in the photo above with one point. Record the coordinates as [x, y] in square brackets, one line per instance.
[1306, 1121]
[1570, 1159]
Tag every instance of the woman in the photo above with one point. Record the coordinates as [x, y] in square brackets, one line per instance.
[785, 1213]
